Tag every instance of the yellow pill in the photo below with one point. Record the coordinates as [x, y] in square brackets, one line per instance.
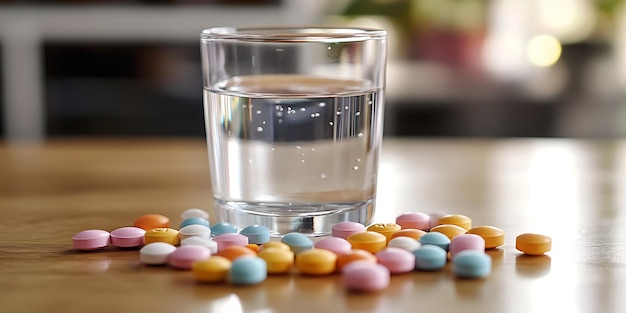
[494, 237]
[274, 244]
[279, 261]
[449, 230]
[316, 261]
[533, 244]
[456, 219]
[369, 241]
[167, 235]
[386, 229]
[409, 232]
[212, 270]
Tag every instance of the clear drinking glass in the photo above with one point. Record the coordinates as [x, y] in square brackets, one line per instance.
[294, 124]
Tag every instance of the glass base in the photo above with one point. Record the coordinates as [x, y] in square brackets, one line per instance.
[310, 219]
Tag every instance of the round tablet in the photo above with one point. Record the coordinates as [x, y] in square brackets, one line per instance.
[353, 256]
[128, 237]
[223, 228]
[430, 258]
[449, 230]
[406, 243]
[456, 219]
[409, 232]
[212, 270]
[316, 262]
[91, 239]
[167, 235]
[200, 241]
[533, 244]
[297, 242]
[471, 264]
[253, 246]
[194, 221]
[195, 230]
[274, 244]
[345, 229]
[257, 234]
[434, 219]
[230, 239]
[247, 270]
[337, 245]
[386, 229]
[493, 236]
[396, 260]
[466, 242]
[365, 276]
[279, 261]
[184, 256]
[194, 212]
[368, 241]
[414, 220]
[156, 253]
[234, 252]
[150, 221]
[437, 239]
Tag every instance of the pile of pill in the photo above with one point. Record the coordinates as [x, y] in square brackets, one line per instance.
[366, 257]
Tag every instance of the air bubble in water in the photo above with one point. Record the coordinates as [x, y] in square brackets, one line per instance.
[302, 161]
[360, 135]
[280, 121]
[243, 106]
[279, 114]
[258, 112]
[321, 104]
[298, 147]
[302, 109]
[338, 112]
[331, 123]
[323, 175]
[312, 115]
[346, 107]
[358, 160]
[356, 168]
[357, 113]
[263, 123]
[259, 129]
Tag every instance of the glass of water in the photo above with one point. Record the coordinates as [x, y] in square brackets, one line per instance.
[294, 124]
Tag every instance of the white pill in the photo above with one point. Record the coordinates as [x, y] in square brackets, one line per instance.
[156, 253]
[194, 212]
[195, 230]
[200, 241]
[406, 243]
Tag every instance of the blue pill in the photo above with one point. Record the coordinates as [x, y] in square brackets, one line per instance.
[257, 234]
[194, 221]
[471, 264]
[437, 239]
[247, 270]
[297, 242]
[430, 258]
[223, 228]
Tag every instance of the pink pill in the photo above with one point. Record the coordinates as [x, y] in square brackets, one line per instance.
[397, 260]
[230, 239]
[336, 245]
[128, 237]
[466, 242]
[414, 220]
[345, 229]
[365, 276]
[91, 239]
[184, 257]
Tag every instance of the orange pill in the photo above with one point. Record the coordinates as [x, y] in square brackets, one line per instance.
[386, 229]
[409, 232]
[533, 244]
[449, 230]
[253, 247]
[355, 255]
[151, 221]
[369, 241]
[234, 252]
[456, 219]
[494, 237]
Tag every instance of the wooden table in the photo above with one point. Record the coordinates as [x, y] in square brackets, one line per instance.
[571, 190]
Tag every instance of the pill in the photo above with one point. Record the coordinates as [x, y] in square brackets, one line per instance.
[167, 235]
[434, 219]
[184, 256]
[406, 243]
[368, 241]
[414, 220]
[471, 264]
[257, 234]
[437, 239]
[456, 219]
[253, 246]
[194, 212]
[212, 270]
[128, 237]
[449, 230]
[493, 236]
[200, 241]
[335, 244]
[223, 228]
[316, 262]
[230, 239]
[274, 244]
[234, 252]
[409, 232]
[430, 258]
[386, 229]
[150, 221]
[156, 253]
[247, 270]
[345, 229]
[91, 239]
[279, 261]
[297, 242]
[195, 230]
[355, 255]
[533, 244]
[397, 260]
[194, 221]
[364, 276]
[466, 242]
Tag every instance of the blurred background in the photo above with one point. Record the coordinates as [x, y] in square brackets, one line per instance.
[457, 68]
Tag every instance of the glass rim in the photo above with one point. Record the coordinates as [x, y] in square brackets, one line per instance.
[294, 34]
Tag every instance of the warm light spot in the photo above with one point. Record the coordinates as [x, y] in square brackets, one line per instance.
[543, 50]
